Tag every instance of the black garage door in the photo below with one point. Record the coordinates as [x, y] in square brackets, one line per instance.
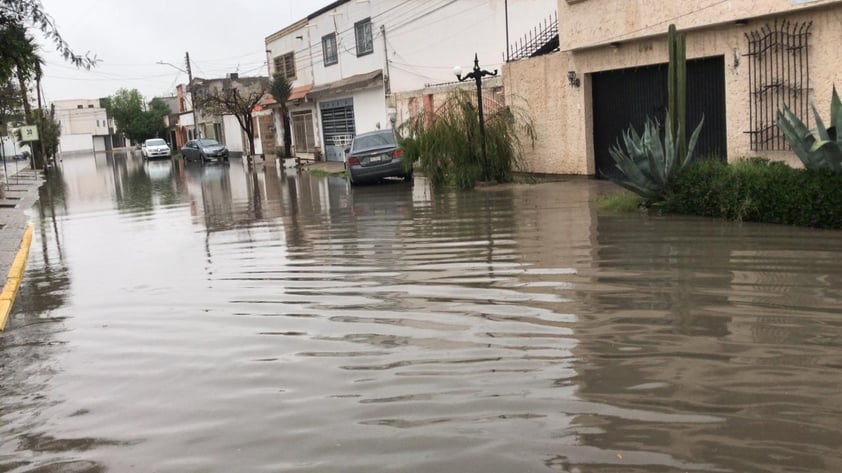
[627, 96]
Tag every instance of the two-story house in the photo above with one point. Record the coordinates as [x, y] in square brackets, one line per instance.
[353, 65]
[84, 126]
[746, 60]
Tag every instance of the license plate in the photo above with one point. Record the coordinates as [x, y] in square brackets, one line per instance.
[374, 159]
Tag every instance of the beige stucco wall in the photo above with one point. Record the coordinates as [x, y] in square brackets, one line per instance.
[586, 23]
[563, 113]
[539, 86]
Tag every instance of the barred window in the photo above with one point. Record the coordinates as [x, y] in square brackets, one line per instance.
[365, 44]
[329, 49]
[285, 65]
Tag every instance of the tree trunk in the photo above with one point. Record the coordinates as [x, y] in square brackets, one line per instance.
[27, 109]
[287, 132]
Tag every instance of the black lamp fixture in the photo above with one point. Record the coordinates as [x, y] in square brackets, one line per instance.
[477, 74]
[571, 77]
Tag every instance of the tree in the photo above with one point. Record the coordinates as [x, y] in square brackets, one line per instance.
[123, 106]
[281, 90]
[126, 108]
[10, 106]
[236, 97]
[22, 13]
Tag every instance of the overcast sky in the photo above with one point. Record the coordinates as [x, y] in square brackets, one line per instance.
[130, 36]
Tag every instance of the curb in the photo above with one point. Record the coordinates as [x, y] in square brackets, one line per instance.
[10, 290]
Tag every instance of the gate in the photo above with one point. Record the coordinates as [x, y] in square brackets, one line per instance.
[626, 97]
[337, 127]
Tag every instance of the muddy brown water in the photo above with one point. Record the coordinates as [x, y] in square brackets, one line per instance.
[206, 319]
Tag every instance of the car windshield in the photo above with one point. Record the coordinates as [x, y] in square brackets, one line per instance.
[156, 143]
[208, 142]
[374, 140]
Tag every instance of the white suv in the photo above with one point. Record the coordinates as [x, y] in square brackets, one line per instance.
[155, 148]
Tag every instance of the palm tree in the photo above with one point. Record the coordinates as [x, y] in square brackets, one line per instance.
[281, 90]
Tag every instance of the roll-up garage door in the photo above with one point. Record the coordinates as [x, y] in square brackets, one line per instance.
[337, 127]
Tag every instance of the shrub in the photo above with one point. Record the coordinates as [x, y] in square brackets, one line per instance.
[649, 165]
[757, 190]
[447, 142]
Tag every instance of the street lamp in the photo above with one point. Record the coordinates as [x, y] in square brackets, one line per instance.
[477, 74]
[189, 85]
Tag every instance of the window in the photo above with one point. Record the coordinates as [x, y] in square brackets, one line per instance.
[329, 49]
[286, 65]
[80, 106]
[90, 105]
[365, 45]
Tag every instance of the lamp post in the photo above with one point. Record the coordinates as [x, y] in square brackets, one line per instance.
[477, 74]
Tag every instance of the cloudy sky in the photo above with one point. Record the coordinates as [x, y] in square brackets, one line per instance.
[129, 37]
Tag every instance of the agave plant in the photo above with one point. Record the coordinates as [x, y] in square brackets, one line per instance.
[648, 164]
[816, 152]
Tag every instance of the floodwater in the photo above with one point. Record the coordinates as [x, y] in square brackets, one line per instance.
[208, 319]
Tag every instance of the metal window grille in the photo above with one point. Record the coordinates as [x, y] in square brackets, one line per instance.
[365, 44]
[285, 65]
[779, 75]
[329, 49]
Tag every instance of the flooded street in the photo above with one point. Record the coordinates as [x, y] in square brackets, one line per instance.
[181, 318]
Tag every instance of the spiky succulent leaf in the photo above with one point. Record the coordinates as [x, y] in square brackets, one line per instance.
[827, 153]
[799, 139]
[836, 115]
[820, 128]
[691, 146]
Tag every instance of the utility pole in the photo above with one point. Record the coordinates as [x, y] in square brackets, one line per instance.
[386, 81]
[506, 6]
[192, 95]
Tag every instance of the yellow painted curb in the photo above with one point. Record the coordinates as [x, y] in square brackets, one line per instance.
[10, 290]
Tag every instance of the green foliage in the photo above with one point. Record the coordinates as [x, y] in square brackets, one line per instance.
[10, 106]
[281, 89]
[648, 165]
[126, 108]
[49, 131]
[757, 190]
[620, 202]
[30, 13]
[19, 54]
[447, 142]
[822, 150]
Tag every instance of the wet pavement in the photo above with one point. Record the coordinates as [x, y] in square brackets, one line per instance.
[207, 319]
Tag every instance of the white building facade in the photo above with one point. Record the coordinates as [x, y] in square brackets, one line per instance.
[84, 125]
[348, 61]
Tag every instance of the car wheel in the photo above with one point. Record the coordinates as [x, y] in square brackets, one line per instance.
[202, 158]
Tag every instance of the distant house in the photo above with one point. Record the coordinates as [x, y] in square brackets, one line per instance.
[171, 120]
[226, 128]
[85, 126]
[358, 66]
[746, 60]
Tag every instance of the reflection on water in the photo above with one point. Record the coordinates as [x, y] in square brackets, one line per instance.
[180, 317]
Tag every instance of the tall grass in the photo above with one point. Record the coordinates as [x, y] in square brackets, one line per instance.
[447, 142]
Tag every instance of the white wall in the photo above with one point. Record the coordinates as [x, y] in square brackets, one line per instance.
[424, 39]
[370, 110]
[233, 134]
[287, 41]
[79, 142]
[426, 50]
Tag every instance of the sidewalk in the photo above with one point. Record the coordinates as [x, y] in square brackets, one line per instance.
[21, 195]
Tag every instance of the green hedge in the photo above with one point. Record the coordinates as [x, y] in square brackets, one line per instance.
[756, 190]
